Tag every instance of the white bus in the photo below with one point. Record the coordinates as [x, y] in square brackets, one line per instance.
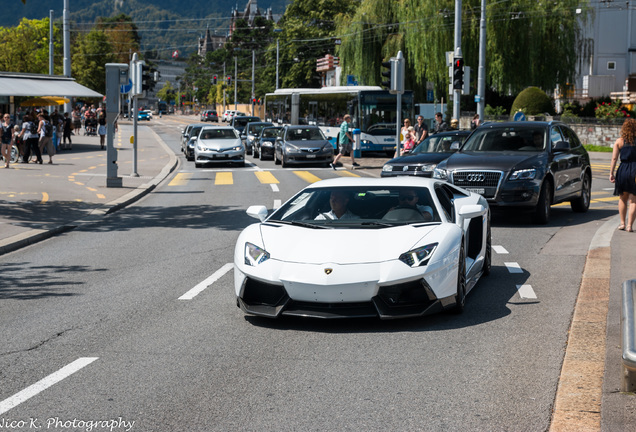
[372, 109]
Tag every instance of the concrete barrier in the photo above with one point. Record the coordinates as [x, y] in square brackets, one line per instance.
[628, 336]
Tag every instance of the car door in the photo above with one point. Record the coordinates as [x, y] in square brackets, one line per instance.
[577, 160]
[563, 164]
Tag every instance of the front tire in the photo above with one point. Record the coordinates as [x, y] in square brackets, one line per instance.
[582, 203]
[542, 211]
[276, 160]
[460, 297]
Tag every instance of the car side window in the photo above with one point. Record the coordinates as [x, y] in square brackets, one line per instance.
[555, 136]
[446, 201]
[571, 137]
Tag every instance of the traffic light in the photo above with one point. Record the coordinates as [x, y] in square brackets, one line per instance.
[149, 77]
[387, 83]
[458, 73]
[253, 101]
[229, 80]
[214, 80]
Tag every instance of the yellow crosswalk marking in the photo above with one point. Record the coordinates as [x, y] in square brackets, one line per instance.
[266, 177]
[344, 173]
[224, 178]
[180, 179]
[307, 176]
[612, 198]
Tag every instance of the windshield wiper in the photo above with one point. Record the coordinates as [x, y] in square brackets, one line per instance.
[379, 224]
[298, 223]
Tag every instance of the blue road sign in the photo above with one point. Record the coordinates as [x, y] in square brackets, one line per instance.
[125, 88]
[519, 116]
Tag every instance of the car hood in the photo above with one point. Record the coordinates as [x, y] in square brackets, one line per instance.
[219, 143]
[420, 158]
[501, 161]
[307, 144]
[342, 246]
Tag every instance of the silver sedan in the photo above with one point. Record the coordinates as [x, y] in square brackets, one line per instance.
[218, 144]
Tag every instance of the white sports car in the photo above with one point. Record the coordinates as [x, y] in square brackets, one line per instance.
[354, 247]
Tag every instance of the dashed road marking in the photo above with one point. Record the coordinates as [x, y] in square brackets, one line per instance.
[513, 267]
[223, 178]
[307, 176]
[206, 283]
[500, 250]
[45, 383]
[526, 291]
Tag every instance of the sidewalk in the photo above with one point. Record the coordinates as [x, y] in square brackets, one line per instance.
[40, 201]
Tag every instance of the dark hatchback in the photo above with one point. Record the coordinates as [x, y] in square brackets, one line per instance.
[425, 157]
[302, 145]
[264, 143]
[523, 164]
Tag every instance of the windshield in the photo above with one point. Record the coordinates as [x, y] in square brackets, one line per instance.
[358, 207]
[255, 129]
[439, 144]
[271, 132]
[500, 139]
[218, 134]
[304, 134]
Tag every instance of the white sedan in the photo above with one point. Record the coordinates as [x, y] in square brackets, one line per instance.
[354, 247]
[218, 144]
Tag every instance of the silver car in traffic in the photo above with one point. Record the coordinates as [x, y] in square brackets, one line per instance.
[218, 144]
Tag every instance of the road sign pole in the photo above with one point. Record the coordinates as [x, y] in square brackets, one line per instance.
[458, 53]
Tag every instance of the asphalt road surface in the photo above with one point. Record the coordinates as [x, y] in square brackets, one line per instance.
[133, 321]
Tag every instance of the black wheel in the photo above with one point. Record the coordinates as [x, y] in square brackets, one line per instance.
[15, 154]
[542, 211]
[255, 153]
[283, 162]
[488, 255]
[460, 297]
[197, 165]
[582, 203]
[276, 160]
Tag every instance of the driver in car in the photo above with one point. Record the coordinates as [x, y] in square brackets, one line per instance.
[339, 202]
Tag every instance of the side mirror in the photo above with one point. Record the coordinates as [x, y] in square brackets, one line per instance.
[455, 146]
[257, 212]
[472, 211]
[561, 146]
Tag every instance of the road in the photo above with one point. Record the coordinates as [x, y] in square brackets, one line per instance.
[133, 320]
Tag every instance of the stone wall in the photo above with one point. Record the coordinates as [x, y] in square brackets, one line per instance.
[601, 135]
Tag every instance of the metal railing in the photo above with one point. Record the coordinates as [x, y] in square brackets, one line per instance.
[628, 336]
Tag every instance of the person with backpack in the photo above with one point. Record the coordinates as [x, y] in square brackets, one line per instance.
[30, 136]
[7, 138]
[45, 131]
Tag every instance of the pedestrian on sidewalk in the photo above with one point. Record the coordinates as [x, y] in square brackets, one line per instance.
[67, 132]
[625, 179]
[102, 129]
[30, 136]
[6, 140]
[345, 140]
[45, 131]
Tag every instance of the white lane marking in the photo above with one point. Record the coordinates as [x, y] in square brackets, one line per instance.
[526, 291]
[206, 283]
[277, 204]
[45, 383]
[500, 249]
[274, 187]
[513, 267]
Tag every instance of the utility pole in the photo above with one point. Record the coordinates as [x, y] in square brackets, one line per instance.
[277, 49]
[481, 76]
[253, 95]
[68, 107]
[458, 54]
[51, 42]
[235, 82]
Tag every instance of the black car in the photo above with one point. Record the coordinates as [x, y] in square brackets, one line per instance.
[188, 139]
[264, 143]
[302, 145]
[523, 164]
[425, 157]
[250, 134]
[209, 115]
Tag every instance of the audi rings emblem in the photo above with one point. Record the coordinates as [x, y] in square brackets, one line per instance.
[475, 177]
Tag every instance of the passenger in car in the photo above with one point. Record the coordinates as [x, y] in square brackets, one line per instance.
[410, 199]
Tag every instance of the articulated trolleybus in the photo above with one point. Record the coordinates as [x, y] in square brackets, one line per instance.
[372, 109]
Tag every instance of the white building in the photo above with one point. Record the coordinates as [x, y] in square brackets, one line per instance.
[607, 56]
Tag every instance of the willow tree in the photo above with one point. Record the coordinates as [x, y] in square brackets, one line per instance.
[529, 42]
[25, 48]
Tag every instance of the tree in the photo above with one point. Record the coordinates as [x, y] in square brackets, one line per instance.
[167, 92]
[90, 54]
[25, 48]
[122, 35]
[308, 30]
[546, 39]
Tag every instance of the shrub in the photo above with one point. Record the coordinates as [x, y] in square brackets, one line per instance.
[532, 101]
[494, 112]
[610, 110]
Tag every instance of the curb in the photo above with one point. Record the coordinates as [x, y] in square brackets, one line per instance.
[33, 236]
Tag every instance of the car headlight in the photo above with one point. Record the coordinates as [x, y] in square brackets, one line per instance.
[238, 148]
[266, 144]
[419, 256]
[387, 168]
[291, 147]
[440, 173]
[255, 255]
[525, 174]
[428, 167]
[327, 147]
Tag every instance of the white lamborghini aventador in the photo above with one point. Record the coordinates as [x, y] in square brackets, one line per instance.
[355, 247]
